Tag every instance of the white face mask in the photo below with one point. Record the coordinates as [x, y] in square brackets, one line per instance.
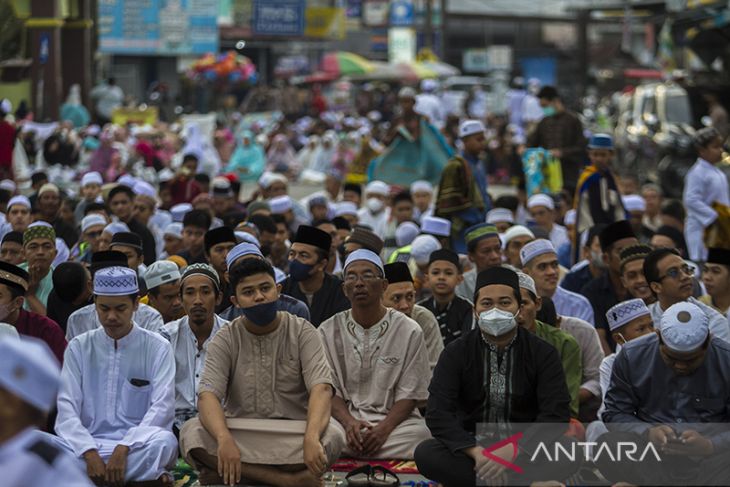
[374, 205]
[496, 322]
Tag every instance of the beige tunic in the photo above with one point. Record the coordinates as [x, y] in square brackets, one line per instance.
[264, 377]
[376, 367]
[431, 333]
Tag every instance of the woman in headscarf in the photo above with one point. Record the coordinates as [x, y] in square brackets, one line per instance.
[73, 110]
[307, 154]
[248, 160]
[322, 160]
[281, 157]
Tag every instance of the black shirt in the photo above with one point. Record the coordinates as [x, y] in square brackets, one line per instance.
[329, 300]
[602, 296]
[574, 281]
[149, 245]
[457, 398]
[66, 232]
[59, 310]
[455, 320]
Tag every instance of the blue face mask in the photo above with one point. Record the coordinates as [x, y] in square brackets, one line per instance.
[548, 111]
[299, 271]
[261, 314]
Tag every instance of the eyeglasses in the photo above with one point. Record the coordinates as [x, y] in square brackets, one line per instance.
[367, 277]
[676, 272]
[93, 234]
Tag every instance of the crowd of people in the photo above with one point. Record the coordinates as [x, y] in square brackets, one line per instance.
[164, 297]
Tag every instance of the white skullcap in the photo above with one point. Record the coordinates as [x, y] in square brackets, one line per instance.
[280, 204]
[407, 92]
[624, 312]
[429, 85]
[269, 178]
[179, 211]
[92, 220]
[570, 217]
[116, 227]
[144, 188]
[514, 232]
[48, 187]
[161, 272]
[8, 184]
[127, 180]
[526, 282]
[500, 215]
[19, 200]
[221, 186]
[633, 202]
[239, 251]
[377, 187]
[345, 208]
[174, 230]
[536, 248]
[470, 127]
[684, 327]
[242, 236]
[40, 223]
[29, 370]
[541, 200]
[405, 233]
[279, 275]
[115, 281]
[364, 254]
[92, 177]
[93, 130]
[8, 332]
[422, 247]
[6, 105]
[434, 225]
[165, 175]
[421, 187]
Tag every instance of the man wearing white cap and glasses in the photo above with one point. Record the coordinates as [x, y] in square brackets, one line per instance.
[540, 261]
[542, 210]
[92, 227]
[374, 212]
[29, 379]
[117, 397]
[380, 421]
[643, 403]
[462, 194]
[439, 228]
[190, 336]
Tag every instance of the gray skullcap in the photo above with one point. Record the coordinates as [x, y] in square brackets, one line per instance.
[203, 270]
[161, 272]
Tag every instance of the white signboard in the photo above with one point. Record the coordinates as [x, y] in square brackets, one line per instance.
[401, 45]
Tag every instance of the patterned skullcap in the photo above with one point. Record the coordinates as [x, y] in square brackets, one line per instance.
[684, 327]
[115, 281]
[535, 248]
[203, 270]
[39, 230]
[624, 312]
[704, 136]
[527, 282]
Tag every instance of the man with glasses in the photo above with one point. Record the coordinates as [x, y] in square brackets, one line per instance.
[670, 279]
[682, 426]
[91, 228]
[380, 363]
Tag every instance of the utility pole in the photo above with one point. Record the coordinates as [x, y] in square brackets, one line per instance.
[444, 29]
[428, 30]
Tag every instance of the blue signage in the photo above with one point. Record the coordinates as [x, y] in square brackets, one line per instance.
[162, 27]
[401, 13]
[44, 48]
[278, 17]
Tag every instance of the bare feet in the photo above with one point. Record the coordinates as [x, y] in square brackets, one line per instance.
[305, 479]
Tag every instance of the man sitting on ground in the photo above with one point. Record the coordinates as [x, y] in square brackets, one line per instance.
[265, 420]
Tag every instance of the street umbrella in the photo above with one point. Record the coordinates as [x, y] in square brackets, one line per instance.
[415, 71]
[341, 63]
[442, 69]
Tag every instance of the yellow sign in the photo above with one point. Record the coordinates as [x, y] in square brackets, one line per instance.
[123, 116]
[324, 22]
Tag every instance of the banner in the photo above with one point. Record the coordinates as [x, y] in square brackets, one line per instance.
[278, 17]
[161, 27]
[123, 116]
[325, 22]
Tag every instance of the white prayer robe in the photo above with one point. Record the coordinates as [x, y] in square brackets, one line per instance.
[568, 303]
[31, 458]
[719, 327]
[86, 319]
[704, 185]
[99, 408]
[378, 222]
[189, 362]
